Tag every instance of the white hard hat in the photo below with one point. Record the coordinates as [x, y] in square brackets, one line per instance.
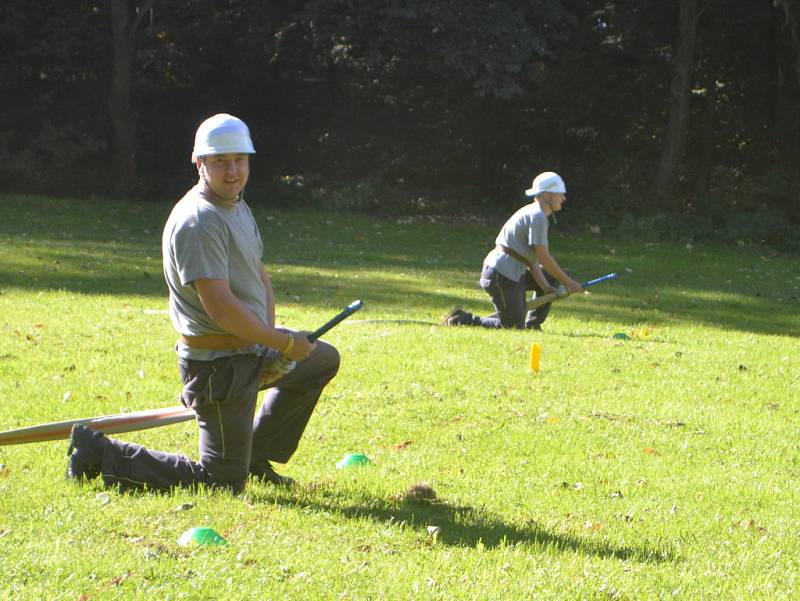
[546, 182]
[222, 134]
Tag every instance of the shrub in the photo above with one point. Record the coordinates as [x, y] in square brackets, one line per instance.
[762, 225]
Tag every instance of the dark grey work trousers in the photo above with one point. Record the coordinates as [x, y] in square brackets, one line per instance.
[223, 394]
[508, 298]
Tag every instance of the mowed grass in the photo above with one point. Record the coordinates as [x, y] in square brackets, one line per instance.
[665, 466]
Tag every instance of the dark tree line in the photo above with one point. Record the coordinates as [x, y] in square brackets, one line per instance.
[646, 106]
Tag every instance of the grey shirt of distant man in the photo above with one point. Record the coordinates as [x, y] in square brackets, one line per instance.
[203, 240]
[522, 232]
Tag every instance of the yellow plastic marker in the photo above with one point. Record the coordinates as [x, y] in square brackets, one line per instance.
[536, 352]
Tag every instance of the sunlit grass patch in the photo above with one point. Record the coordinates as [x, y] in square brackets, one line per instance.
[659, 465]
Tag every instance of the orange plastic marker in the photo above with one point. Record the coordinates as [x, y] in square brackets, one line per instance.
[536, 353]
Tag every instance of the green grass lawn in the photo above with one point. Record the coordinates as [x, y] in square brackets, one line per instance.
[665, 466]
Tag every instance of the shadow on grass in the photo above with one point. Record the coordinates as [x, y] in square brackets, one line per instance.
[327, 261]
[462, 526]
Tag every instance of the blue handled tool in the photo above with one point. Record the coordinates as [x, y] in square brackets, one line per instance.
[562, 292]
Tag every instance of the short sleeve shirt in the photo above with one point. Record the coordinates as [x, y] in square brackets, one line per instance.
[203, 240]
[522, 232]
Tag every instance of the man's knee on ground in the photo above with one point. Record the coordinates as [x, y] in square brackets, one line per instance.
[507, 322]
[235, 488]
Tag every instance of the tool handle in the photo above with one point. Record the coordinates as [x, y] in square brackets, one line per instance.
[347, 312]
[603, 278]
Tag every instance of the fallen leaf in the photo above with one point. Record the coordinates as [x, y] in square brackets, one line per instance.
[118, 579]
[650, 450]
[402, 445]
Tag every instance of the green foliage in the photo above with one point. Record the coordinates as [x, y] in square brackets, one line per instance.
[770, 227]
[373, 197]
[66, 151]
[662, 465]
[364, 197]
[661, 227]
[489, 50]
[423, 97]
[780, 188]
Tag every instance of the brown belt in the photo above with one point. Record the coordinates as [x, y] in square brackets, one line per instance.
[514, 254]
[215, 342]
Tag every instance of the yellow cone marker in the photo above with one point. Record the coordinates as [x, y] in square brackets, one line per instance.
[536, 352]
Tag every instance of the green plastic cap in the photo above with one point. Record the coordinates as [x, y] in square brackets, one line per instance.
[201, 536]
[353, 460]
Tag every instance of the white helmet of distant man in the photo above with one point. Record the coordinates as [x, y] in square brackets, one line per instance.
[548, 181]
[222, 134]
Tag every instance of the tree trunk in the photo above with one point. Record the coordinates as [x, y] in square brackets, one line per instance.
[789, 84]
[708, 122]
[683, 67]
[791, 9]
[119, 101]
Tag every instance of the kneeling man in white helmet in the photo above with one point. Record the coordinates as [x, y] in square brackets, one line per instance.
[521, 261]
[221, 304]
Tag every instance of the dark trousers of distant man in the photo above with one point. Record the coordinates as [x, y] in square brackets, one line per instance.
[508, 298]
[223, 394]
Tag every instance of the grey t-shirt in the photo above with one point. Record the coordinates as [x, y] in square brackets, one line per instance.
[206, 240]
[524, 229]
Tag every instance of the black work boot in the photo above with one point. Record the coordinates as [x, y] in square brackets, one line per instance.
[85, 453]
[458, 317]
[266, 473]
[451, 317]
